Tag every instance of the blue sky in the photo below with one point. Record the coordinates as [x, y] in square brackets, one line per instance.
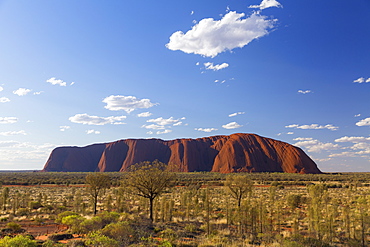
[75, 73]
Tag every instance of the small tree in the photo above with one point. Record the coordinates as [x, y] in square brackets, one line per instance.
[97, 184]
[239, 187]
[148, 180]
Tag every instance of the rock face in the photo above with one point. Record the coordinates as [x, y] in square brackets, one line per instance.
[225, 154]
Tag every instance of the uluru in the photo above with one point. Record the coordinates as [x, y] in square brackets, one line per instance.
[225, 154]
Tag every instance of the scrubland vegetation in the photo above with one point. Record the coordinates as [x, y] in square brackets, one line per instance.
[190, 209]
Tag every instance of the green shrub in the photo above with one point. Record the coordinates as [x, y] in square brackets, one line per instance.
[109, 217]
[100, 240]
[93, 224]
[17, 241]
[73, 222]
[64, 214]
[14, 226]
[120, 231]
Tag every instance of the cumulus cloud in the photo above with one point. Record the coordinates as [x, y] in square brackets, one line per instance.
[304, 92]
[232, 125]
[210, 37]
[360, 148]
[95, 120]
[303, 139]
[64, 128]
[236, 113]
[7, 144]
[312, 126]
[163, 121]
[315, 146]
[55, 81]
[266, 4]
[92, 132]
[164, 132]
[354, 139]
[364, 122]
[126, 103]
[4, 99]
[362, 80]
[153, 126]
[8, 120]
[206, 129]
[1, 88]
[22, 91]
[162, 124]
[144, 114]
[12, 133]
[209, 65]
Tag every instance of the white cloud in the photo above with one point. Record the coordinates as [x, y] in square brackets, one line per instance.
[364, 122]
[210, 37]
[24, 154]
[361, 145]
[1, 88]
[160, 123]
[192, 12]
[8, 144]
[367, 80]
[357, 115]
[64, 128]
[354, 139]
[360, 80]
[163, 121]
[95, 120]
[8, 120]
[303, 139]
[290, 133]
[209, 65]
[55, 81]
[22, 91]
[206, 129]
[312, 126]
[266, 4]
[4, 99]
[126, 103]
[236, 113]
[232, 125]
[92, 132]
[304, 92]
[37, 93]
[153, 126]
[164, 132]
[315, 146]
[144, 114]
[12, 133]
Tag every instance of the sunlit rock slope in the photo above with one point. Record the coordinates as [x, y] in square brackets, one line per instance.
[225, 154]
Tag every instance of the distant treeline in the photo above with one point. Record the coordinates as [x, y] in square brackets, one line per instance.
[205, 178]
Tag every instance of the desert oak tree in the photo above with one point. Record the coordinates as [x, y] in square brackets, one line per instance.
[148, 180]
[97, 183]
